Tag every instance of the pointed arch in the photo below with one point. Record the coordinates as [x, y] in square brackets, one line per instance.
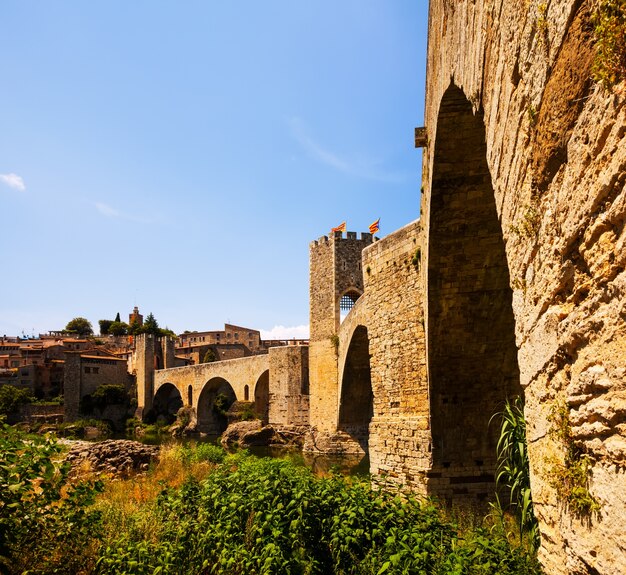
[472, 356]
[355, 403]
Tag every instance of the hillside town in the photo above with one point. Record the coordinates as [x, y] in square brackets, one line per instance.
[37, 364]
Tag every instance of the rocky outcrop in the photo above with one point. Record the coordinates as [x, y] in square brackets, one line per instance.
[247, 434]
[112, 457]
[253, 433]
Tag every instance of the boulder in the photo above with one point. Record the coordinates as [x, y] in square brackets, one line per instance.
[113, 456]
[247, 434]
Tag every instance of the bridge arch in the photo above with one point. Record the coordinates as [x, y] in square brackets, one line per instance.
[355, 392]
[262, 396]
[167, 401]
[216, 397]
[472, 355]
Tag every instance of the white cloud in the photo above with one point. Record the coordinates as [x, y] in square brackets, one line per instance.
[111, 212]
[361, 169]
[107, 210]
[282, 332]
[13, 181]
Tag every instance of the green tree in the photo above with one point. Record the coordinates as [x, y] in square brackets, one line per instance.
[167, 332]
[150, 325]
[12, 397]
[134, 328]
[117, 317]
[105, 324]
[79, 326]
[118, 328]
[209, 356]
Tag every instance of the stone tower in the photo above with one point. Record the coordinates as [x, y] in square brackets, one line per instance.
[150, 353]
[336, 281]
[144, 369]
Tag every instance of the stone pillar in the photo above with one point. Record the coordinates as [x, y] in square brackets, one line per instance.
[144, 362]
[167, 347]
[72, 385]
[289, 386]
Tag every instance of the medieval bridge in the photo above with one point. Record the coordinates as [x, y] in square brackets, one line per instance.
[198, 386]
[513, 282]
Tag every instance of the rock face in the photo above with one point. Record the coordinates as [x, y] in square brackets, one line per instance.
[115, 457]
[247, 434]
[524, 177]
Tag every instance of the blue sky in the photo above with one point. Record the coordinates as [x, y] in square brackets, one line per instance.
[181, 155]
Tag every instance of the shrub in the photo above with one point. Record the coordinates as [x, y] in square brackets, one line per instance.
[41, 510]
[513, 472]
[12, 397]
[268, 516]
[609, 21]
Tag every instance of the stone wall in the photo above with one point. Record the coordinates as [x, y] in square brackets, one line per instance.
[289, 390]
[553, 159]
[399, 431]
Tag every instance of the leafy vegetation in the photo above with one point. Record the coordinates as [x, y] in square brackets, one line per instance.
[41, 510]
[609, 21]
[267, 516]
[118, 328]
[80, 326]
[513, 473]
[203, 511]
[569, 475]
[12, 397]
[209, 356]
[104, 324]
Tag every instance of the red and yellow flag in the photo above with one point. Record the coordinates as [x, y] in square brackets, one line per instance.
[375, 226]
[339, 228]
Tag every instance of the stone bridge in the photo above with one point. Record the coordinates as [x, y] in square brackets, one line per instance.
[512, 282]
[198, 386]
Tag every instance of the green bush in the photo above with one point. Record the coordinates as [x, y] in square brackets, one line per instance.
[12, 397]
[41, 511]
[103, 396]
[264, 516]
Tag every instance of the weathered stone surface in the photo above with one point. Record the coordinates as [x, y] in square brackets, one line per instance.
[556, 162]
[113, 456]
[247, 434]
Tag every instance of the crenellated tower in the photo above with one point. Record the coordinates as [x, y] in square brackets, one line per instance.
[336, 281]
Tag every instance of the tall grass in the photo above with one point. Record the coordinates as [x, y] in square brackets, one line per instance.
[513, 473]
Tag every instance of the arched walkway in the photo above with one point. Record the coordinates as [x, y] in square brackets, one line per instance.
[215, 399]
[167, 401]
[472, 356]
[262, 396]
[355, 407]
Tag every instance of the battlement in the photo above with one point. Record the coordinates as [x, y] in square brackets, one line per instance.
[338, 236]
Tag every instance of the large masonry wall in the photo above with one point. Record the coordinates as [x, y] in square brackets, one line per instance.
[399, 431]
[555, 158]
[289, 389]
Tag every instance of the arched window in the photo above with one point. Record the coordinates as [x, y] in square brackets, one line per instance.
[246, 393]
[190, 395]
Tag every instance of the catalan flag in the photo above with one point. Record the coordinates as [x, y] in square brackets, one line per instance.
[375, 226]
[339, 228]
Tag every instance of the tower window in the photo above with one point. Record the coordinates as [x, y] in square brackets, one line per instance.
[348, 300]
